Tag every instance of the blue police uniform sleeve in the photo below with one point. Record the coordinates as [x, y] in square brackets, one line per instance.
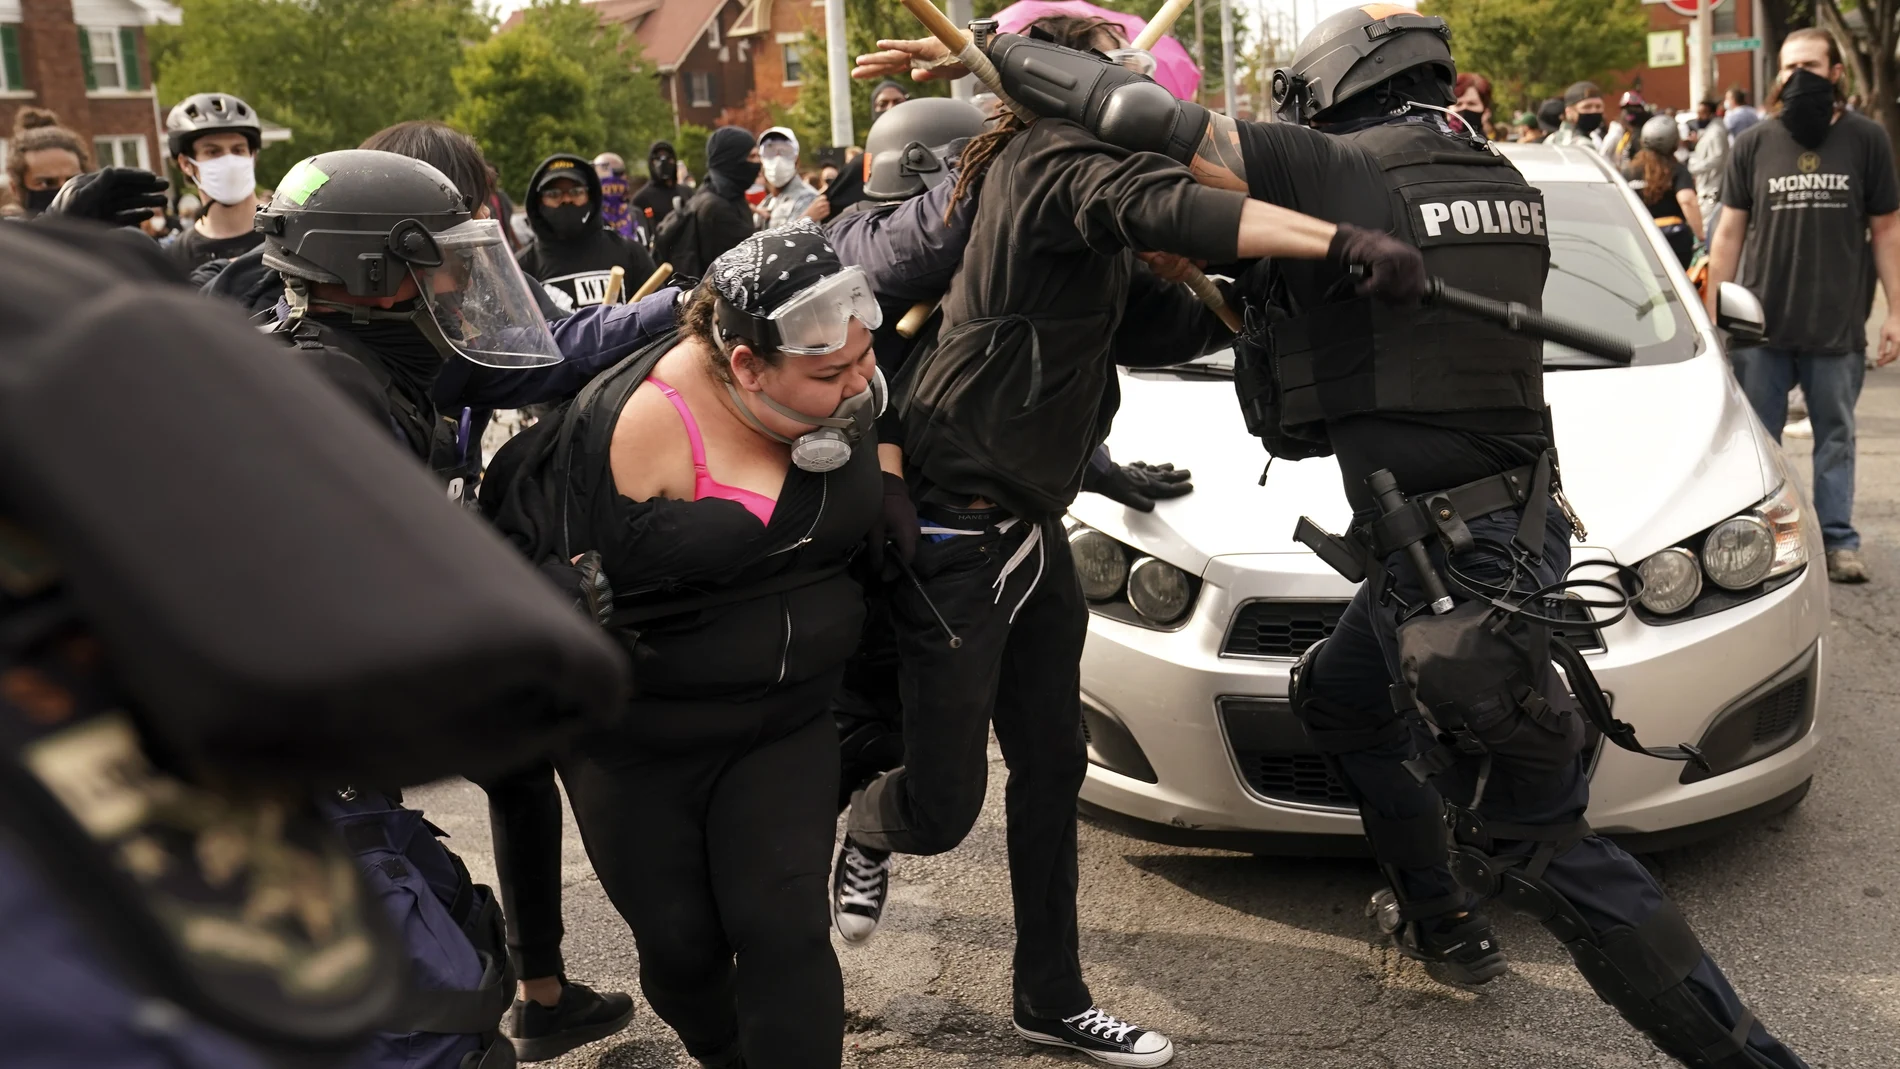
[591, 340]
[910, 253]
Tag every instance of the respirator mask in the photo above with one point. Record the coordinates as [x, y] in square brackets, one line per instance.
[815, 322]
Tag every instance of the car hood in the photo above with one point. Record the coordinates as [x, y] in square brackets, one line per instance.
[1650, 455]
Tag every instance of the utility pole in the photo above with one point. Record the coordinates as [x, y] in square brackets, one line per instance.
[961, 13]
[1701, 59]
[1200, 54]
[1227, 56]
[838, 67]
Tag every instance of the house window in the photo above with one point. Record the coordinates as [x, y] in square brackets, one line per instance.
[699, 89]
[1723, 19]
[12, 71]
[120, 150]
[111, 57]
[794, 65]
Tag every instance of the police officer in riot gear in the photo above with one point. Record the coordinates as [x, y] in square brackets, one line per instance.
[1442, 438]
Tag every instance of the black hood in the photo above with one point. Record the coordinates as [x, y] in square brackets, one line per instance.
[728, 171]
[569, 166]
[654, 150]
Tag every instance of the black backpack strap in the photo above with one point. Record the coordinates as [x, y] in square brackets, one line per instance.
[560, 485]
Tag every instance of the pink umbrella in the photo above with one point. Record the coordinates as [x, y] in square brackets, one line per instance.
[1173, 68]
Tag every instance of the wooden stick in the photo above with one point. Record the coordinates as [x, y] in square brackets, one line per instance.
[1210, 296]
[915, 319]
[1160, 24]
[653, 283]
[616, 281]
[966, 52]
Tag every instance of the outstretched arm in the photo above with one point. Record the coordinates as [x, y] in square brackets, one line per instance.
[1217, 161]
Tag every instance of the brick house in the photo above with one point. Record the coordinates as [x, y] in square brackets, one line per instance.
[779, 27]
[1669, 86]
[87, 60]
[704, 68]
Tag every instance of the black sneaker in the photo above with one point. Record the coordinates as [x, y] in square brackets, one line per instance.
[540, 1033]
[860, 885]
[1462, 950]
[1096, 1034]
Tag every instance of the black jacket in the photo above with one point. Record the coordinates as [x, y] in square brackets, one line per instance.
[579, 267]
[701, 231]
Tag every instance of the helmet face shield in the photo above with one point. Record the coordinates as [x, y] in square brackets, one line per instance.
[1139, 60]
[818, 321]
[481, 302]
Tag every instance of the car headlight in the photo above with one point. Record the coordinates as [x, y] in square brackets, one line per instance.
[1100, 563]
[1158, 590]
[1739, 551]
[1671, 580]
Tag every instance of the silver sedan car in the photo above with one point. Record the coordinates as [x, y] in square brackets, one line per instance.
[1200, 607]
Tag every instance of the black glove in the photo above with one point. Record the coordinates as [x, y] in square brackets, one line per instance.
[896, 523]
[586, 582]
[1394, 270]
[1137, 485]
[121, 196]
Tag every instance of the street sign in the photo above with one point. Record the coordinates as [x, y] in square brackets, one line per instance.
[1665, 48]
[1686, 7]
[1737, 44]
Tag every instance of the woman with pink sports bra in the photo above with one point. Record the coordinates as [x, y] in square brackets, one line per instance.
[726, 476]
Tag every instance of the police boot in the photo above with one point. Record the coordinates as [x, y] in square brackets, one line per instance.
[1459, 948]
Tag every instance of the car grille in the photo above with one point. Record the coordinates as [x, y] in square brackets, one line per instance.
[1289, 628]
[1280, 628]
[1274, 758]
[1777, 712]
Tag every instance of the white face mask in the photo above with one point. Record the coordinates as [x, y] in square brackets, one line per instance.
[227, 179]
[780, 171]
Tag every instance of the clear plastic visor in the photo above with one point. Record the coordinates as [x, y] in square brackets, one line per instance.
[818, 321]
[481, 302]
[1139, 60]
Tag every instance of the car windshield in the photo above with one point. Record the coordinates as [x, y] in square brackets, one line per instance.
[1603, 273]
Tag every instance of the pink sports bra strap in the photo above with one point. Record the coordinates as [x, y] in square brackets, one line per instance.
[704, 485]
[692, 425]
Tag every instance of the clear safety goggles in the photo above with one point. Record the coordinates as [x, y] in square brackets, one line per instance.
[778, 149]
[480, 300]
[818, 321]
[1139, 60]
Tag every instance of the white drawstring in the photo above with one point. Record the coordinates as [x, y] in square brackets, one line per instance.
[1034, 541]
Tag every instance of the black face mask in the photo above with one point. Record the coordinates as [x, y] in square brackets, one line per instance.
[1474, 120]
[1589, 122]
[1807, 107]
[409, 354]
[38, 200]
[568, 221]
[663, 169]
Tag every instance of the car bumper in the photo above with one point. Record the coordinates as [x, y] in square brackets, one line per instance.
[1164, 691]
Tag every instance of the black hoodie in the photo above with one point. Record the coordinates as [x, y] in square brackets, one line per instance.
[579, 265]
[717, 217]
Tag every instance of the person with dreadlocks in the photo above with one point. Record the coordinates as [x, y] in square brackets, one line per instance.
[1447, 455]
[999, 422]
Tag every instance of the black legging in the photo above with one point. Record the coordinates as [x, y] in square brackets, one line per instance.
[524, 815]
[711, 826]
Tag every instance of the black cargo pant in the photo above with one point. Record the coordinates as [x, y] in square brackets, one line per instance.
[1011, 594]
[1349, 684]
[524, 816]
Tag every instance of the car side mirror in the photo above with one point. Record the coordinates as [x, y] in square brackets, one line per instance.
[1738, 311]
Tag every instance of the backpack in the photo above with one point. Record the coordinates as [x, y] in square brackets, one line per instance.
[678, 237]
[451, 928]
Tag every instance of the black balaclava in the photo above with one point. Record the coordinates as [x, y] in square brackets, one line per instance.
[413, 360]
[1807, 107]
[569, 221]
[1588, 122]
[730, 173]
[667, 174]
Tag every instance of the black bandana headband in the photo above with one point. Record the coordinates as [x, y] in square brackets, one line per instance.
[773, 266]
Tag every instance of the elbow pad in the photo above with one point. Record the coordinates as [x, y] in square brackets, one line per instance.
[1115, 104]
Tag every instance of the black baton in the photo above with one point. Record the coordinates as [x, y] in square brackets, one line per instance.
[1520, 319]
[1386, 489]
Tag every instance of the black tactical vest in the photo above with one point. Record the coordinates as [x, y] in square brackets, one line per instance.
[451, 449]
[1481, 228]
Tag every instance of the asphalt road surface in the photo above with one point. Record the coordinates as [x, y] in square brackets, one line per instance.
[1268, 963]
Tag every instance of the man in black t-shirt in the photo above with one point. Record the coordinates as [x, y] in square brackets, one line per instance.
[1801, 196]
[214, 138]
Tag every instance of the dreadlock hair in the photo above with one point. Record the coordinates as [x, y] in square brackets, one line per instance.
[1070, 31]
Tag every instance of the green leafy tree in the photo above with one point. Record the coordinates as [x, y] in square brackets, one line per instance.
[690, 147]
[1533, 49]
[1868, 32]
[334, 71]
[558, 82]
[866, 21]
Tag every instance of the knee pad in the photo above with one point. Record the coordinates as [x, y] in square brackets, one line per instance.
[1641, 971]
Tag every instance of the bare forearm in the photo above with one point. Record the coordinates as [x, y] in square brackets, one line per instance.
[1691, 211]
[1886, 230]
[1269, 231]
[1725, 250]
[1217, 161]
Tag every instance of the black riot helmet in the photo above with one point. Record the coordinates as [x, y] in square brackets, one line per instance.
[210, 113]
[910, 147]
[371, 221]
[1356, 50]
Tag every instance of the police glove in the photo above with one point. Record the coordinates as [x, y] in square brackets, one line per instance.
[585, 581]
[1137, 485]
[896, 523]
[1391, 270]
[121, 196]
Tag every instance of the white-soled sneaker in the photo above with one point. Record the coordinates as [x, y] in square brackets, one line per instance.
[860, 885]
[1096, 1034]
